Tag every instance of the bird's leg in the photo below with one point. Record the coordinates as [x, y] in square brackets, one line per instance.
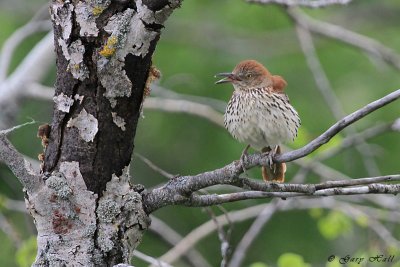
[243, 157]
[271, 154]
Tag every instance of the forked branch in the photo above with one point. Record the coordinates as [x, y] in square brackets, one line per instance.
[180, 190]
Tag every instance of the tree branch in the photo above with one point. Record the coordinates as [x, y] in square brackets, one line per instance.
[17, 163]
[205, 229]
[336, 32]
[337, 127]
[306, 3]
[179, 190]
[331, 100]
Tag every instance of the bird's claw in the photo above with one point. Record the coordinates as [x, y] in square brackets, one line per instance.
[243, 158]
[271, 154]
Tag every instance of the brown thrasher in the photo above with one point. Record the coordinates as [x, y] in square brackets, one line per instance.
[259, 113]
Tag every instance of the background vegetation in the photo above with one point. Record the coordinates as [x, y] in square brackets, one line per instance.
[206, 37]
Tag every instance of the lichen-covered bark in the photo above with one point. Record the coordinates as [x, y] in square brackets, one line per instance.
[86, 211]
[76, 227]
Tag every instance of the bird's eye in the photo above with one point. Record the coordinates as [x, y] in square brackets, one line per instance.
[249, 75]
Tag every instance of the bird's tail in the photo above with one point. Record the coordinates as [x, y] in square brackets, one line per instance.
[276, 172]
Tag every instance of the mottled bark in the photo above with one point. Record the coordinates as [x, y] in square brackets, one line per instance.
[85, 209]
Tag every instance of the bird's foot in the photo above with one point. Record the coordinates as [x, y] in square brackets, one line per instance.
[270, 155]
[243, 158]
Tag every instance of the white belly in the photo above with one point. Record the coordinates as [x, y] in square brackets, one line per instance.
[261, 121]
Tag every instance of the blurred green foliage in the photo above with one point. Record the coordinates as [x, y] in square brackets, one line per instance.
[26, 253]
[207, 37]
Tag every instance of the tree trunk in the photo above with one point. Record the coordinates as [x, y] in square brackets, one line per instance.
[86, 211]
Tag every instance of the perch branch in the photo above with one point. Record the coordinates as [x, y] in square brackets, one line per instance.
[178, 190]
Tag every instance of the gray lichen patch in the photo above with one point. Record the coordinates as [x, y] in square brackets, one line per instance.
[86, 20]
[120, 205]
[87, 125]
[159, 16]
[63, 102]
[86, 14]
[61, 14]
[76, 65]
[60, 186]
[119, 121]
[128, 35]
[74, 54]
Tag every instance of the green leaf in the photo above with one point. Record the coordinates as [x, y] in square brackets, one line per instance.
[362, 221]
[291, 260]
[334, 263]
[258, 264]
[316, 213]
[26, 254]
[334, 224]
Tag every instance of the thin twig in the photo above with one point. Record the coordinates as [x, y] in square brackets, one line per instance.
[251, 234]
[223, 238]
[172, 237]
[163, 92]
[150, 259]
[330, 97]
[16, 162]
[305, 3]
[207, 228]
[154, 167]
[336, 32]
[15, 39]
[9, 230]
[180, 105]
[11, 204]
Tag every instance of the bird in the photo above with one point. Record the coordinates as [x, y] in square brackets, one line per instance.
[259, 114]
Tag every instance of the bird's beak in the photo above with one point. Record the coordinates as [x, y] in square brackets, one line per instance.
[228, 77]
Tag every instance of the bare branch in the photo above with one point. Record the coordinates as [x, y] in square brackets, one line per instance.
[305, 3]
[338, 33]
[32, 69]
[150, 259]
[253, 232]
[208, 227]
[177, 190]
[330, 97]
[337, 127]
[9, 230]
[172, 237]
[208, 200]
[154, 167]
[39, 91]
[16, 162]
[179, 105]
[11, 204]
[223, 238]
[163, 92]
[15, 39]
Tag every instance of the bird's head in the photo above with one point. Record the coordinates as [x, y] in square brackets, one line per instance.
[246, 75]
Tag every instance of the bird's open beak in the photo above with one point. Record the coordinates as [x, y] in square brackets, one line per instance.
[228, 77]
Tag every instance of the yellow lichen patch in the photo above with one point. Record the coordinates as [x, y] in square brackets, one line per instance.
[110, 47]
[97, 10]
